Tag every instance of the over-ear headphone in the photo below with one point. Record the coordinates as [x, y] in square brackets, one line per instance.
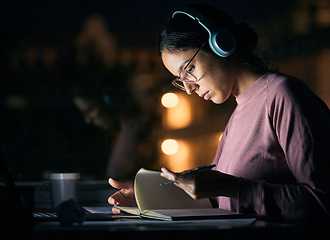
[221, 41]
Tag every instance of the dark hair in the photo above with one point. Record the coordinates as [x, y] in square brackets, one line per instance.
[182, 33]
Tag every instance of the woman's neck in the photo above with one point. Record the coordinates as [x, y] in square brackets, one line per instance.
[244, 79]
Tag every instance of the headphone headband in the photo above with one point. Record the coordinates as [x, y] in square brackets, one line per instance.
[221, 41]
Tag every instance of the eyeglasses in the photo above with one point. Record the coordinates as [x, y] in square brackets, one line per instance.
[185, 76]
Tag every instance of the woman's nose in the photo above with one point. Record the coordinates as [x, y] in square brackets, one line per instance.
[190, 87]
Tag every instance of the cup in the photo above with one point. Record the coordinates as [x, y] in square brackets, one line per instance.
[63, 187]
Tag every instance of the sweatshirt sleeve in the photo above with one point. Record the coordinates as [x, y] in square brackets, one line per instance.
[301, 122]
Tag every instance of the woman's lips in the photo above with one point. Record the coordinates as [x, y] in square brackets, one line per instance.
[206, 95]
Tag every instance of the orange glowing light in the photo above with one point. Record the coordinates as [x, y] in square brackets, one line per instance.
[179, 161]
[170, 100]
[170, 146]
[179, 114]
[221, 134]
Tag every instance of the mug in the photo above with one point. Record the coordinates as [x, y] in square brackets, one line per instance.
[63, 187]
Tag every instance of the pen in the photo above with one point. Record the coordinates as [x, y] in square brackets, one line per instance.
[191, 172]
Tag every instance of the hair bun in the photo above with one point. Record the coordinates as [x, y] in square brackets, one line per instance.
[246, 37]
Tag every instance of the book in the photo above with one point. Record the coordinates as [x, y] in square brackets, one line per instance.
[168, 202]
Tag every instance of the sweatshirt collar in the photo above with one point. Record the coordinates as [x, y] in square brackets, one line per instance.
[244, 97]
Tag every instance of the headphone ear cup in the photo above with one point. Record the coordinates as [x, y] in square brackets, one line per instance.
[222, 43]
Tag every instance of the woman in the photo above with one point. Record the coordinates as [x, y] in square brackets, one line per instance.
[273, 158]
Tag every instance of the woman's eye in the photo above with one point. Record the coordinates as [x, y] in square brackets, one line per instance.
[191, 68]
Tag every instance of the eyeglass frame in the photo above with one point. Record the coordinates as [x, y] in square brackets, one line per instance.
[184, 79]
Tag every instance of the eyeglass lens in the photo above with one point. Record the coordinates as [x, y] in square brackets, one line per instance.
[184, 75]
[179, 84]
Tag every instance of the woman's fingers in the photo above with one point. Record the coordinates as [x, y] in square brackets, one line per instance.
[116, 211]
[119, 185]
[123, 197]
[183, 180]
[114, 198]
[168, 174]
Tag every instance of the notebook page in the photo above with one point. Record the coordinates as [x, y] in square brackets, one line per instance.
[150, 195]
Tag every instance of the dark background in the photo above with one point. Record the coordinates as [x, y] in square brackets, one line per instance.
[43, 132]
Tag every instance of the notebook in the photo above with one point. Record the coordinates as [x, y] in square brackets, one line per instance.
[169, 202]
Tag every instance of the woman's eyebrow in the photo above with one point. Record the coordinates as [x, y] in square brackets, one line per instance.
[183, 65]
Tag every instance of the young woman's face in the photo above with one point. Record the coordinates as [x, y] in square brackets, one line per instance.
[214, 81]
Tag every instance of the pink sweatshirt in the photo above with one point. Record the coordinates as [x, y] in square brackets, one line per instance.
[278, 142]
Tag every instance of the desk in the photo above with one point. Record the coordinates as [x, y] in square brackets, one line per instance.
[194, 229]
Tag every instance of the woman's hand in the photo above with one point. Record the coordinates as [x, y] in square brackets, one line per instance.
[124, 197]
[203, 185]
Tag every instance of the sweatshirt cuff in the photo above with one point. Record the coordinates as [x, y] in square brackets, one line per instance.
[251, 197]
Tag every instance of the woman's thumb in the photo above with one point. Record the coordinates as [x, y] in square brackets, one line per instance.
[119, 185]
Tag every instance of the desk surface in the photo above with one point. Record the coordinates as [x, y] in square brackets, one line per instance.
[192, 229]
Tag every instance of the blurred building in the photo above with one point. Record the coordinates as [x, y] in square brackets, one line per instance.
[299, 43]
